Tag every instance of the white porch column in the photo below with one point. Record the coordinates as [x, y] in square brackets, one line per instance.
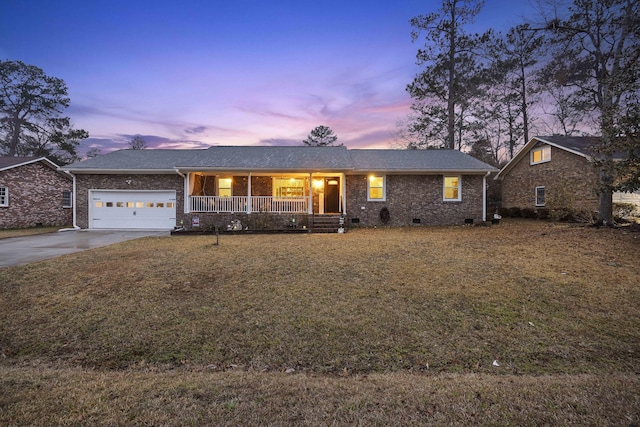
[484, 197]
[249, 193]
[310, 210]
[187, 186]
[343, 190]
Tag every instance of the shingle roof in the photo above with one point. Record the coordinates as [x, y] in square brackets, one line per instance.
[7, 162]
[582, 145]
[270, 158]
[11, 162]
[416, 160]
[141, 160]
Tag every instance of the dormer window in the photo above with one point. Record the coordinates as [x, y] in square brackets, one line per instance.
[540, 155]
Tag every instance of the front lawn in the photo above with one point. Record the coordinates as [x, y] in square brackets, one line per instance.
[31, 231]
[525, 322]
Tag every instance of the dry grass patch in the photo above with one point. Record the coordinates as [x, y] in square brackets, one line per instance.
[71, 396]
[22, 232]
[551, 304]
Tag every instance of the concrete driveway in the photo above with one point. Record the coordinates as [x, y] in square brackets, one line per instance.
[23, 250]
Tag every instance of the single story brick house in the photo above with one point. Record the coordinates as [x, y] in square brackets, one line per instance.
[34, 192]
[270, 187]
[554, 172]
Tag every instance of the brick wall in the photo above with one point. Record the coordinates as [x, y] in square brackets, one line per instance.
[410, 197]
[84, 183]
[569, 180]
[35, 197]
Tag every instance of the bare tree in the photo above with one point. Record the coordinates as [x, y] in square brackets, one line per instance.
[597, 55]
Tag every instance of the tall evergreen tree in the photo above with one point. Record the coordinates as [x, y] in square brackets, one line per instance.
[443, 91]
[321, 136]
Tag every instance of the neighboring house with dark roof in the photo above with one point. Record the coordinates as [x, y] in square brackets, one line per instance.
[34, 192]
[554, 172]
[278, 187]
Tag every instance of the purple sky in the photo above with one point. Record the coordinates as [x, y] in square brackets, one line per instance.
[191, 74]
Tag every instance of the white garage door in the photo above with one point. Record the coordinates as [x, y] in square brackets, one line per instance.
[132, 209]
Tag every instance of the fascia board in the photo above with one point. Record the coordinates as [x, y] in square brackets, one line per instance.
[423, 171]
[39, 159]
[261, 171]
[81, 171]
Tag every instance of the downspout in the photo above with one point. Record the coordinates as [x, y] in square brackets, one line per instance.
[484, 197]
[185, 198]
[73, 194]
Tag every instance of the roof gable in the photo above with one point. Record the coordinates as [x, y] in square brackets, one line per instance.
[578, 145]
[15, 162]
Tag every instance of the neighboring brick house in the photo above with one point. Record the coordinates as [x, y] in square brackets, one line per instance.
[552, 172]
[278, 187]
[34, 192]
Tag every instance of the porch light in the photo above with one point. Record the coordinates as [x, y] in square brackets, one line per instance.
[317, 183]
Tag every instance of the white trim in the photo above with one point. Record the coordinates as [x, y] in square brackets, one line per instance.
[249, 207]
[344, 193]
[444, 188]
[484, 197]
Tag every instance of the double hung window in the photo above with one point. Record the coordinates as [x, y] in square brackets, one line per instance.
[67, 199]
[4, 197]
[376, 191]
[540, 196]
[451, 189]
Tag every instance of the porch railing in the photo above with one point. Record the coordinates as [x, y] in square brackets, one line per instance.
[240, 204]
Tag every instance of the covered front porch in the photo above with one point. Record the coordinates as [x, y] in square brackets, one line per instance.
[279, 193]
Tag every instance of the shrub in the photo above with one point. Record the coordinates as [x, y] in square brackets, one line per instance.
[503, 212]
[580, 216]
[515, 212]
[543, 213]
[528, 213]
[624, 211]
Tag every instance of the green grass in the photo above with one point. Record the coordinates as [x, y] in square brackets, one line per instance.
[556, 306]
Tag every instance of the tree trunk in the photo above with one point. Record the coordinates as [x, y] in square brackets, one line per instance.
[452, 90]
[605, 215]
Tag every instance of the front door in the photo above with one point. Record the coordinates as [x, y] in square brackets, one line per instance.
[331, 195]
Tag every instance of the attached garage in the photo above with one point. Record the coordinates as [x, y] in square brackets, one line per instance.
[132, 209]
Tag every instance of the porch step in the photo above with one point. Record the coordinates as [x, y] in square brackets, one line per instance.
[325, 224]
